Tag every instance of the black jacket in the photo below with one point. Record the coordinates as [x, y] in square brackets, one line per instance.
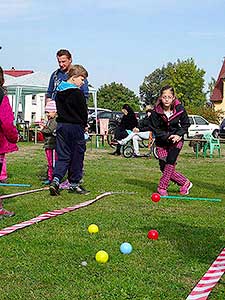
[163, 127]
[145, 124]
[71, 107]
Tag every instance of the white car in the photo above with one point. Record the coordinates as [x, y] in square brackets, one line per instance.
[199, 125]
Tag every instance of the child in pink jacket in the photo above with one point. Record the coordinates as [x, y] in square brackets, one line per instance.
[8, 133]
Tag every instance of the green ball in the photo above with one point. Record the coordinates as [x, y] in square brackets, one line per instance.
[102, 256]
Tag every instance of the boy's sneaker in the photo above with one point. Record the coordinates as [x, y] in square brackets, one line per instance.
[184, 190]
[162, 192]
[6, 213]
[54, 188]
[46, 182]
[4, 180]
[78, 189]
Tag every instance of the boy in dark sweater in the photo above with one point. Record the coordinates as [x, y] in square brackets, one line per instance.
[71, 125]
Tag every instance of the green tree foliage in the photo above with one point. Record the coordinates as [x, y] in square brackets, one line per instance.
[211, 115]
[186, 78]
[114, 95]
[211, 86]
[149, 90]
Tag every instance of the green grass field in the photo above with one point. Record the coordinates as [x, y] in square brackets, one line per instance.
[43, 261]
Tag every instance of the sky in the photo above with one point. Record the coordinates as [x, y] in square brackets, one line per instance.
[115, 40]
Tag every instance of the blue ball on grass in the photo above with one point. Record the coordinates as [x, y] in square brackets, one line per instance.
[126, 248]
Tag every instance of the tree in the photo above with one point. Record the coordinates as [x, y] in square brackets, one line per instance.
[186, 78]
[149, 90]
[188, 81]
[114, 95]
[211, 86]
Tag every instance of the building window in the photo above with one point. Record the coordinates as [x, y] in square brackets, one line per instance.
[33, 117]
[34, 99]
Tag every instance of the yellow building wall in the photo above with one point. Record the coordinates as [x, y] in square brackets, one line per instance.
[220, 105]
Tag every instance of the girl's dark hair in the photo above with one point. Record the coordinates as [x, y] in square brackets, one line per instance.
[1, 77]
[167, 87]
[128, 108]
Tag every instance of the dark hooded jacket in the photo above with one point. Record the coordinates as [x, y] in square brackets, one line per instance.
[71, 105]
[129, 121]
[164, 127]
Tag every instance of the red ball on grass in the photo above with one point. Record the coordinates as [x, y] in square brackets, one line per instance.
[155, 197]
[153, 234]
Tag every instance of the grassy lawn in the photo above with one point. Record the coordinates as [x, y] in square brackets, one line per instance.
[43, 261]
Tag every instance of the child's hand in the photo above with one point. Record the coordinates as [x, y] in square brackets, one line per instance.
[135, 130]
[174, 138]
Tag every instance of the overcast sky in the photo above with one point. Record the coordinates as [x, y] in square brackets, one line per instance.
[116, 40]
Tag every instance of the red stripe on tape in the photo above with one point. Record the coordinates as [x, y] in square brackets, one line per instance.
[204, 287]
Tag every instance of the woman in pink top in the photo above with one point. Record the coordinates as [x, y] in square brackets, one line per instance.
[8, 133]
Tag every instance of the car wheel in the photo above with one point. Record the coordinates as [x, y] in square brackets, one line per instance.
[215, 133]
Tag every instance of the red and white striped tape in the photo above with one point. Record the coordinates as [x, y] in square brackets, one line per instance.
[52, 214]
[202, 290]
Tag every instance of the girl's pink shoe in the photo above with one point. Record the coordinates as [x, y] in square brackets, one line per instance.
[162, 192]
[184, 190]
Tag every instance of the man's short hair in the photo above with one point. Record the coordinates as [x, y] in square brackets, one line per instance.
[65, 52]
[77, 70]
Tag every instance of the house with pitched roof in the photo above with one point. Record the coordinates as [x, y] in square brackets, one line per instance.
[218, 94]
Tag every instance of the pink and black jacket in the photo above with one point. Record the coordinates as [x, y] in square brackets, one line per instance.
[163, 127]
[8, 132]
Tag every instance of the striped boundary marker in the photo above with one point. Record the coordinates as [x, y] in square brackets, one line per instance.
[204, 287]
[55, 213]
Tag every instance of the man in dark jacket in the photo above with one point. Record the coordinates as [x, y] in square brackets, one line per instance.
[71, 124]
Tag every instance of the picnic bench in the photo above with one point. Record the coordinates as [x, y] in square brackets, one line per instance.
[205, 143]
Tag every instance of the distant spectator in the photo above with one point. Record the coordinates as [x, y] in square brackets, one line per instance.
[141, 132]
[127, 124]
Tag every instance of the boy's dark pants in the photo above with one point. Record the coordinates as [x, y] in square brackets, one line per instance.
[70, 148]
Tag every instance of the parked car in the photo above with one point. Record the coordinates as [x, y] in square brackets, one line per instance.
[199, 125]
[222, 129]
[113, 116]
[91, 111]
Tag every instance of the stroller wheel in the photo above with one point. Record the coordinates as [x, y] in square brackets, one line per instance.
[127, 151]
